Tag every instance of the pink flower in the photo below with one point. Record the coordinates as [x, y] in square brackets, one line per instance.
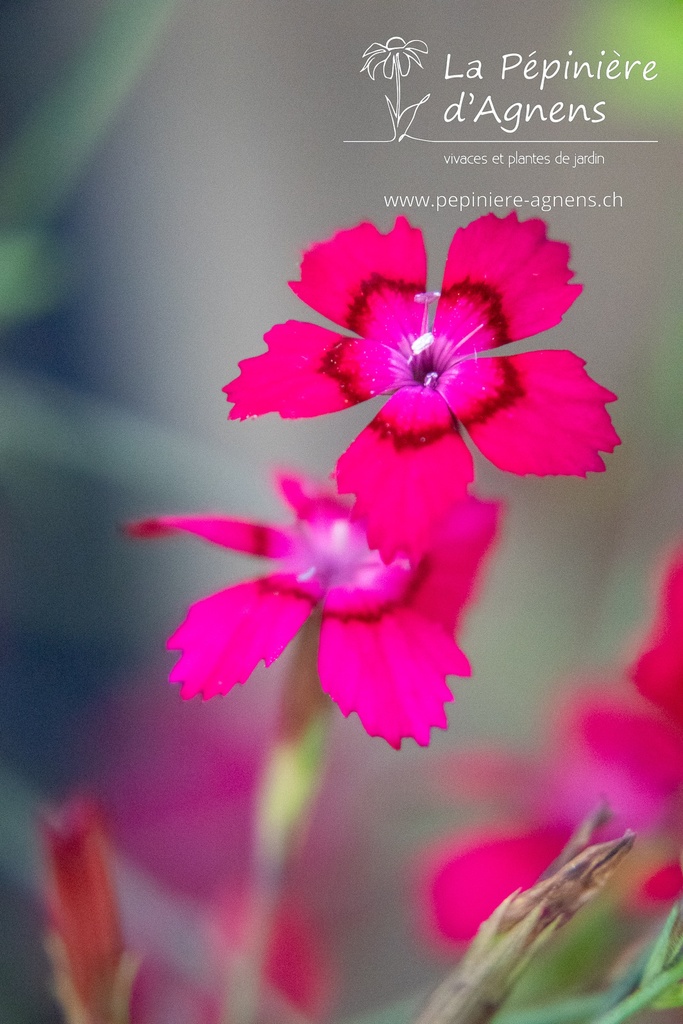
[298, 974]
[538, 412]
[658, 670]
[470, 875]
[386, 640]
[180, 788]
[601, 748]
[662, 885]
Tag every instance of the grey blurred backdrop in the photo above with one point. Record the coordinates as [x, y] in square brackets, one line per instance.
[162, 257]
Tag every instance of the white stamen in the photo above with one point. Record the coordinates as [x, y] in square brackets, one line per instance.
[427, 299]
[421, 343]
[307, 575]
[468, 336]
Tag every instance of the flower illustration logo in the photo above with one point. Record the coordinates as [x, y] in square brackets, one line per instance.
[396, 58]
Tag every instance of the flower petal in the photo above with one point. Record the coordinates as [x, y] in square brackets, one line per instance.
[236, 534]
[407, 468]
[367, 281]
[485, 775]
[470, 877]
[388, 664]
[449, 572]
[534, 413]
[310, 499]
[309, 371]
[605, 749]
[658, 672]
[225, 636]
[506, 276]
[663, 885]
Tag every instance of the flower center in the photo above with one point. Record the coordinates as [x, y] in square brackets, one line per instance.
[336, 553]
[426, 358]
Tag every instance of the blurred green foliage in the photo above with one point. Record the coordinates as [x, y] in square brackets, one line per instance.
[41, 166]
[34, 274]
[645, 31]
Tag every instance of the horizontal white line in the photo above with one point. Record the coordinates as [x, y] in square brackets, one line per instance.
[518, 142]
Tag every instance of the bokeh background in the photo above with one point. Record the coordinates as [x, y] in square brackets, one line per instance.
[162, 167]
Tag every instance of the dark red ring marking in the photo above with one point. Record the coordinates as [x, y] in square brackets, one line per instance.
[508, 393]
[359, 307]
[410, 438]
[332, 365]
[486, 296]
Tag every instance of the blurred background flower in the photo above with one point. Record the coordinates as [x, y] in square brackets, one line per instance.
[605, 748]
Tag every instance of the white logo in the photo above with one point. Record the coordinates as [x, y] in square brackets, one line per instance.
[395, 58]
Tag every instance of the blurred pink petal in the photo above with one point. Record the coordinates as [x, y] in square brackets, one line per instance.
[664, 885]
[468, 878]
[489, 774]
[658, 671]
[609, 750]
[162, 996]
[449, 577]
[179, 784]
[602, 749]
[298, 963]
[225, 636]
[251, 538]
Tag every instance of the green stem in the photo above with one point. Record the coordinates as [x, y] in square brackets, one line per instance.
[643, 997]
[290, 785]
[569, 1010]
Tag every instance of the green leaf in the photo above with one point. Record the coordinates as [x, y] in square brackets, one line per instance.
[667, 952]
[643, 997]
[662, 955]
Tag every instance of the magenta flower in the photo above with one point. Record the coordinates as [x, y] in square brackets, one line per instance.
[601, 748]
[386, 640]
[538, 412]
[658, 670]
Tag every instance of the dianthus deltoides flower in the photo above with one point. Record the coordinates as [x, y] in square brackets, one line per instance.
[538, 412]
[387, 631]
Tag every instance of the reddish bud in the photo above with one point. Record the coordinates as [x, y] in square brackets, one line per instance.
[85, 942]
